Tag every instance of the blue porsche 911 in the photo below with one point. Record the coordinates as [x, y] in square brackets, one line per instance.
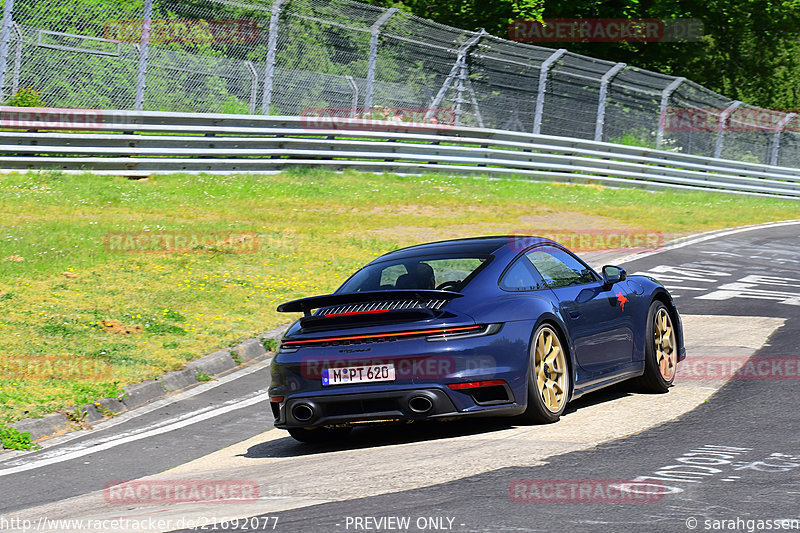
[489, 326]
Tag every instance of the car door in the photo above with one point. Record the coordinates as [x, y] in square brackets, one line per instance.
[601, 330]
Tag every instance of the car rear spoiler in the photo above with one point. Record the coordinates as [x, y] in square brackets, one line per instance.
[306, 305]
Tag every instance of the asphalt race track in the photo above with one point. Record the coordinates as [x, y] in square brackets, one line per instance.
[725, 465]
[749, 431]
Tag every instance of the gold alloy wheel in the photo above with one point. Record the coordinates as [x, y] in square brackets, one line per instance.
[665, 344]
[551, 370]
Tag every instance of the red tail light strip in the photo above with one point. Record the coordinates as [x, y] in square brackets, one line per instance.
[476, 384]
[359, 313]
[441, 331]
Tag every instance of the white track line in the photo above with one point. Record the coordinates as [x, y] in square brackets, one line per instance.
[126, 416]
[707, 236]
[132, 437]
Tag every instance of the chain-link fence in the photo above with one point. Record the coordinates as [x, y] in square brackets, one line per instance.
[294, 57]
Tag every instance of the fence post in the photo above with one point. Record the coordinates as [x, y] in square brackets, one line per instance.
[662, 113]
[461, 60]
[5, 37]
[375, 32]
[723, 120]
[272, 44]
[776, 140]
[354, 92]
[17, 60]
[475, 108]
[544, 69]
[253, 86]
[601, 103]
[462, 73]
[141, 79]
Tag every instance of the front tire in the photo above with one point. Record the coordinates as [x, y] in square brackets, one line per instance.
[549, 381]
[660, 350]
[319, 434]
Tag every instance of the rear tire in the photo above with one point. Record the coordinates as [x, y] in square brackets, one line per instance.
[549, 379]
[319, 434]
[660, 350]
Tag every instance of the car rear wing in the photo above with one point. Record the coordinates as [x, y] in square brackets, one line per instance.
[371, 301]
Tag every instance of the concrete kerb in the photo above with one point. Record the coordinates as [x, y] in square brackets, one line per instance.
[139, 394]
[39, 427]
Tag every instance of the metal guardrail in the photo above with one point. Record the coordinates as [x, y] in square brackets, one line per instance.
[135, 143]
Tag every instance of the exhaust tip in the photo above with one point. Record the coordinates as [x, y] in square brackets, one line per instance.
[420, 404]
[302, 412]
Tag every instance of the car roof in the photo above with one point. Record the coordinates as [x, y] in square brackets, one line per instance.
[469, 246]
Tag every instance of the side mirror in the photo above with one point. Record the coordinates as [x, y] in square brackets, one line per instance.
[613, 274]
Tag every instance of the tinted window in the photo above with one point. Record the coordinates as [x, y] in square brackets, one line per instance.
[521, 276]
[448, 273]
[560, 268]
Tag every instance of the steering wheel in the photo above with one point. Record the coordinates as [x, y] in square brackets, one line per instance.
[453, 284]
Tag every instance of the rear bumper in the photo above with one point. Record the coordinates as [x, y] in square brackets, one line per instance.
[386, 405]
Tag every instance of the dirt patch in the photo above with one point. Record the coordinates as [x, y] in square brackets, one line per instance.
[544, 224]
[117, 327]
[567, 220]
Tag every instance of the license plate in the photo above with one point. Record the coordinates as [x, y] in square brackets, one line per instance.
[358, 374]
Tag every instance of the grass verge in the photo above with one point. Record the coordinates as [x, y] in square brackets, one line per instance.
[85, 309]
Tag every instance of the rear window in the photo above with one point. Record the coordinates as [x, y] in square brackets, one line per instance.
[445, 273]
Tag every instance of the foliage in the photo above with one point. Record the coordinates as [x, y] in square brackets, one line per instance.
[750, 50]
[202, 376]
[26, 97]
[271, 345]
[13, 439]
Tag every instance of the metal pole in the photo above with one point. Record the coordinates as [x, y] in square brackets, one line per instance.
[141, 80]
[776, 140]
[544, 69]
[17, 60]
[601, 103]
[354, 92]
[5, 37]
[662, 114]
[253, 87]
[460, 93]
[460, 59]
[375, 32]
[723, 119]
[475, 108]
[272, 45]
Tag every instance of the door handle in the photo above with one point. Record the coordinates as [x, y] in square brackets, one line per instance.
[575, 314]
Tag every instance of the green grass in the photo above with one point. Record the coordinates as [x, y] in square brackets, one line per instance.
[79, 320]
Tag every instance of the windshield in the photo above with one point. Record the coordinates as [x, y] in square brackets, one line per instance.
[444, 273]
